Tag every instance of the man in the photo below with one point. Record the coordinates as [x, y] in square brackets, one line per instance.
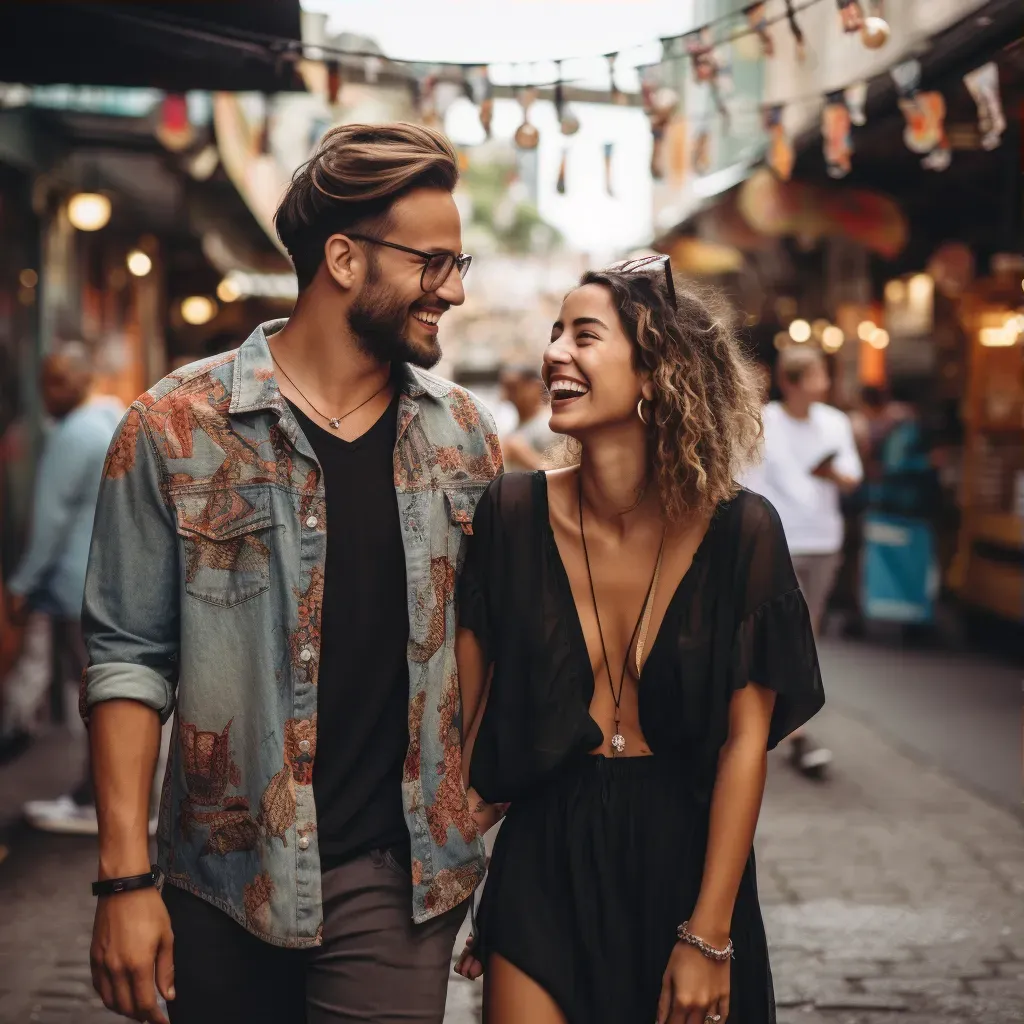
[526, 447]
[810, 459]
[277, 540]
[51, 576]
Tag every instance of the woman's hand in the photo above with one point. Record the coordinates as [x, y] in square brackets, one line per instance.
[694, 988]
[467, 965]
[484, 814]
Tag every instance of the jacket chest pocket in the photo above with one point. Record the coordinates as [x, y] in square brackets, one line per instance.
[226, 539]
[460, 501]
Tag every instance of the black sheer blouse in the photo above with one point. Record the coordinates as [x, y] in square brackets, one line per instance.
[737, 616]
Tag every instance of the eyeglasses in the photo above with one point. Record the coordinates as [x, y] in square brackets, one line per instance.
[648, 263]
[437, 266]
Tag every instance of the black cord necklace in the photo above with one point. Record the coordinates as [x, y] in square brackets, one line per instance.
[643, 621]
[334, 421]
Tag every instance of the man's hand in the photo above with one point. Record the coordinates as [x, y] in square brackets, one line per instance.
[132, 943]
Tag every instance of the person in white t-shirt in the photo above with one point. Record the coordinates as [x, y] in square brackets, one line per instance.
[809, 460]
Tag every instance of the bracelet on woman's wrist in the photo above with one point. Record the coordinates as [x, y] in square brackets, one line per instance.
[711, 952]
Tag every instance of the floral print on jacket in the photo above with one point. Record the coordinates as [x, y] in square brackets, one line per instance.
[204, 597]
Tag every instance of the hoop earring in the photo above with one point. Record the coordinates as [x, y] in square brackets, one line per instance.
[640, 413]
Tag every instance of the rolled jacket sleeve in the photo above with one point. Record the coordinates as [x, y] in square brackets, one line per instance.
[131, 611]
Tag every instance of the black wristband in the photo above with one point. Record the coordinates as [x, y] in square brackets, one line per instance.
[112, 886]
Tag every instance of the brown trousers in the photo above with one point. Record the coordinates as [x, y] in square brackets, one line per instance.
[375, 965]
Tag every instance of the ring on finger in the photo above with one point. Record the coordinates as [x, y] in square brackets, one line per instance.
[712, 1018]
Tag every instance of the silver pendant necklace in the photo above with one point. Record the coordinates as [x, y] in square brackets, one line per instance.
[334, 421]
[643, 622]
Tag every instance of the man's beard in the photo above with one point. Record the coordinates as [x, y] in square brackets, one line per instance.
[378, 321]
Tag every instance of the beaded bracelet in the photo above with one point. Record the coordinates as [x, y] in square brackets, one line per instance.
[720, 955]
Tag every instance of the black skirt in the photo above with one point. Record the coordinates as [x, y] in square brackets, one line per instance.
[590, 876]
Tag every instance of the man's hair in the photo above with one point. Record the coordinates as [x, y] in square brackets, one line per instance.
[358, 172]
[73, 357]
[795, 361]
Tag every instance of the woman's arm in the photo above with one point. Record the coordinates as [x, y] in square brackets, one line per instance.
[694, 986]
[474, 683]
[735, 806]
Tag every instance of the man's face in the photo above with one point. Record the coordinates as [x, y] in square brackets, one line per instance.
[63, 389]
[392, 317]
[815, 382]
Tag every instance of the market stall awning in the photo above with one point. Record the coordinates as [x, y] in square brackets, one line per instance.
[170, 46]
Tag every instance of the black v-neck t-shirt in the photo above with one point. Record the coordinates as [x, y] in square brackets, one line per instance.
[363, 684]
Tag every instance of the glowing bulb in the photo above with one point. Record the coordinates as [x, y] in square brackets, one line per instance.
[198, 310]
[832, 338]
[896, 292]
[28, 278]
[800, 330]
[139, 264]
[89, 211]
[781, 340]
[865, 329]
[920, 288]
[879, 339]
[228, 290]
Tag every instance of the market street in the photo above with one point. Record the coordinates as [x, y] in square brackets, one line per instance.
[892, 894]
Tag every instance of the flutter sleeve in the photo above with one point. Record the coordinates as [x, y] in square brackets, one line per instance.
[477, 587]
[774, 642]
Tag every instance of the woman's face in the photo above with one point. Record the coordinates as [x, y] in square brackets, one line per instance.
[588, 367]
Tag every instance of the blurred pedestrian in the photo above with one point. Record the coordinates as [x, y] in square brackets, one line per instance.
[51, 576]
[527, 446]
[275, 555]
[621, 883]
[809, 460]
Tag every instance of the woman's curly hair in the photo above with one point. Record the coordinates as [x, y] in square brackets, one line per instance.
[704, 423]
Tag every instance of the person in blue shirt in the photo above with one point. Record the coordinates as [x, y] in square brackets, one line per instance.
[51, 575]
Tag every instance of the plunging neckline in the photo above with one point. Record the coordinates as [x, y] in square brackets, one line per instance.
[579, 638]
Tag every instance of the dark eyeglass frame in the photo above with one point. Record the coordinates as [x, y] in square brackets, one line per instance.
[450, 260]
[644, 263]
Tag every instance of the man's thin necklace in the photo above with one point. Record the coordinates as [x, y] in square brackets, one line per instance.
[333, 421]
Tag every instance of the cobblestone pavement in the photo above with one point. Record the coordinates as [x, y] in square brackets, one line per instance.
[891, 896]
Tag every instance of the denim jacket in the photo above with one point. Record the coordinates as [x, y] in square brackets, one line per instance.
[204, 596]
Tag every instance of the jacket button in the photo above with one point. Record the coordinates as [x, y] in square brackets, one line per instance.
[304, 842]
[311, 522]
[306, 654]
[304, 746]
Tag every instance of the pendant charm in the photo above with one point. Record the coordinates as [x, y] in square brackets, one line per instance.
[618, 743]
[335, 423]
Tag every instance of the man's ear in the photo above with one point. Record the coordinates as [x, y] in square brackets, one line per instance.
[343, 261]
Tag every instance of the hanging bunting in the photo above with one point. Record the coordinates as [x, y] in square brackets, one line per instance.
[333, 82]
[173, 128]
[798, 32]
[609, 150]
[856, 96]
[780, 147]
[851, 15]
[925, 114]
[660, 103]
[568, 122]
[263, 142]
[426, 102]
[560, 184]
[480, 90]
[837, 141]
[983, 85]
[702, 153]
[757, 19]
[702, 53]
[527, 136]
[618, 97]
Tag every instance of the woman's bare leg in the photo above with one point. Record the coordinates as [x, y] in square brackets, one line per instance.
[512, 997]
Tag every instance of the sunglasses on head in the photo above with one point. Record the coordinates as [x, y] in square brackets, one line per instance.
[644, 265]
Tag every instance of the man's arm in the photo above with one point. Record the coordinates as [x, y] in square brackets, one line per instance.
[130, 620]
[845, 470]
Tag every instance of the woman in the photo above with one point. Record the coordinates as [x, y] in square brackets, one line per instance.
[623, 874]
